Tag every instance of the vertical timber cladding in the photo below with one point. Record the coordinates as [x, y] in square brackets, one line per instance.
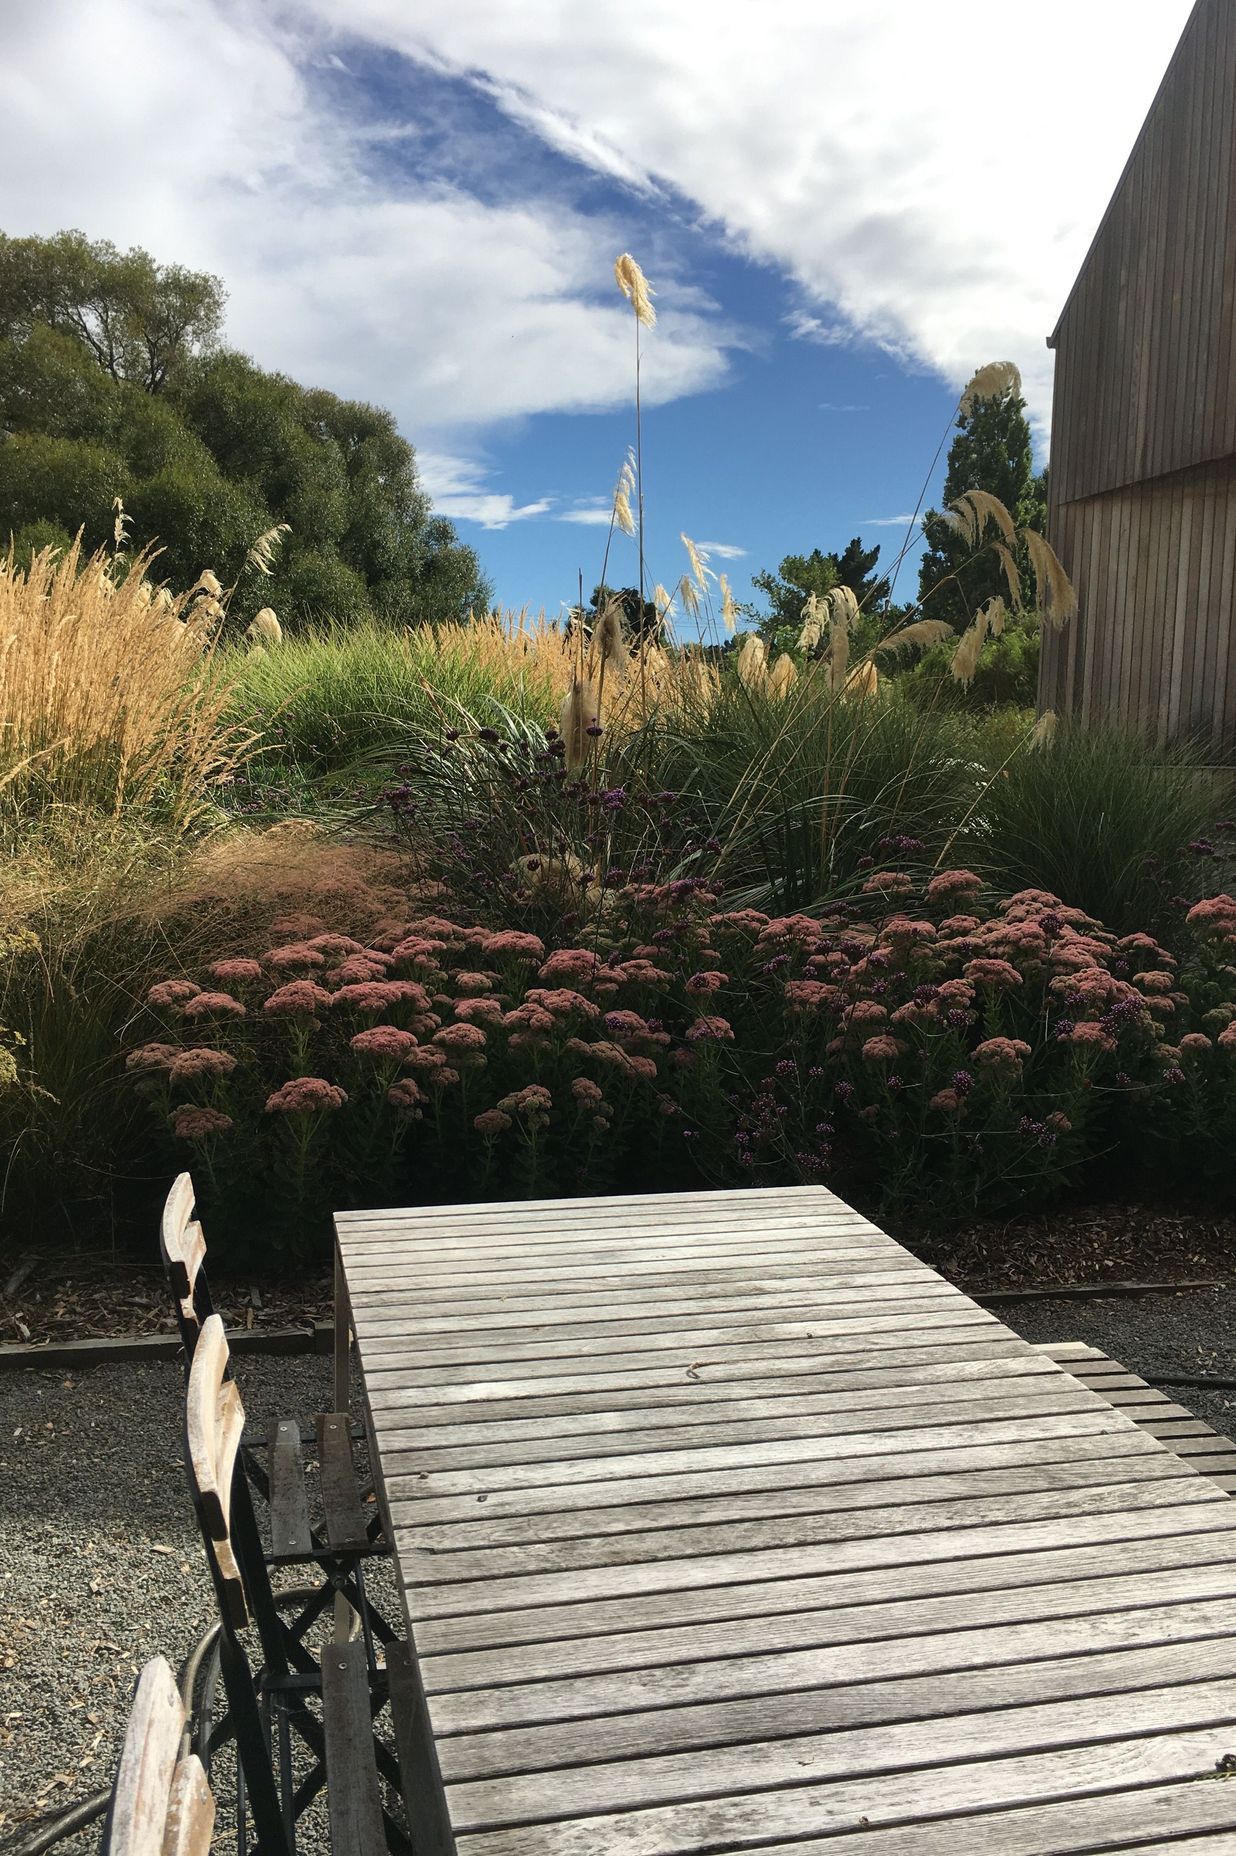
[1143, 464]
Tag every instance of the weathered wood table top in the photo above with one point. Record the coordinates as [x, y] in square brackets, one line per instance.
[722, 1522]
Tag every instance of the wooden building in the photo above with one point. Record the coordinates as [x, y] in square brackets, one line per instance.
[1143, 461]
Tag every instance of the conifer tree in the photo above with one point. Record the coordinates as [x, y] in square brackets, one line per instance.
[991, 451]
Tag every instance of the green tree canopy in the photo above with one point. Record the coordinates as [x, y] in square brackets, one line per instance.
[801, 575]
[990, 451]
[112, 383]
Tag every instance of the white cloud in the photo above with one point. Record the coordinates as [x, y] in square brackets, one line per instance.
[598, 516]
[915, 195]
[724, 550]
[831, 406]
[888, 521]
[459, 489]
[457, 312]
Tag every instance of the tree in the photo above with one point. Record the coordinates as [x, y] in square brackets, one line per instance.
[801, 575]
[112, 383]
[991, 451]
[140, 320]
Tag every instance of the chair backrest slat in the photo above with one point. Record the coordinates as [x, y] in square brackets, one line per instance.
[190, 1812]
[148, 1764]
[181, 1238]
[214, 1423]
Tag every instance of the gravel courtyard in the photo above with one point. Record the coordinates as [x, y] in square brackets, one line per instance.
[101, 1567]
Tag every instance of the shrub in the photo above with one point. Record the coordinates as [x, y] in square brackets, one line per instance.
[919, 1047]
[1100, 816]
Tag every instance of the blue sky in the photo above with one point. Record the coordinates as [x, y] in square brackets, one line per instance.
[843, 207]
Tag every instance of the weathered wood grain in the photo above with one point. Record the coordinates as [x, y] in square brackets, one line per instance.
[724, 1523]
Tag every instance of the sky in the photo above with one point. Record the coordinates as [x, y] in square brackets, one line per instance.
[843, 207]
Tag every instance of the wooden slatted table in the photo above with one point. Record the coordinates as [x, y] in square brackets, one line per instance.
[724, 1523]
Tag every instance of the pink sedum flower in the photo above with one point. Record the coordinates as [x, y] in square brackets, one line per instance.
[510, 944]
[194, 1122]
[298, 999]
[406, 1096]
[383, 1042]
[235, 972]
[380, 996]
[491, 1122]
[192, 1064]
[586, 1092]
[148, 1058]
[882, 1049]
[172, 992]
[710, 1031]
[1003, 1055]
[707, 982]
[480, 1011]
[473, 983]
[214, 1005]
[997, 975]
[951, 884]
[888, 883]
[306, 1095]
[296, 957]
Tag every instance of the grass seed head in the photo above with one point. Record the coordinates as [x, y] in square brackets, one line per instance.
[635, 287]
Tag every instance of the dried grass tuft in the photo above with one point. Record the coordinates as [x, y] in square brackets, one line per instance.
[970, 646]
[782, 676]
[923, 633]
[752, 663]
[265, 628]
[635, 287]
[1044, 731]
[1054, 592]
[989, 382]
[729, 612]
[971, 513]
[264, 550]
[109, 689]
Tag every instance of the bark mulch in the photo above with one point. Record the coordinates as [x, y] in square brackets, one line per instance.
[47, 1297]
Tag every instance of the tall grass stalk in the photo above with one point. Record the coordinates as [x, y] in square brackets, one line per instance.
[110, 692]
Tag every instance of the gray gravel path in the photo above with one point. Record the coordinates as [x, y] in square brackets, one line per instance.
[100, 1566]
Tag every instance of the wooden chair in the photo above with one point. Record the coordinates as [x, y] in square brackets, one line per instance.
[162, 1804]
[276, 1463]
[267, 1706]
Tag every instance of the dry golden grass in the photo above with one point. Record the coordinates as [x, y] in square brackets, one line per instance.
[109, 693]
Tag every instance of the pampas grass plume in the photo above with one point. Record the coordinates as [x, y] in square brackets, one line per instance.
[989, 382]
[265, 628]
[1044, 731]
[923, 633]
[729, 612]
[783, 675]
[752, 668]
[635, 287]
[1055, 594]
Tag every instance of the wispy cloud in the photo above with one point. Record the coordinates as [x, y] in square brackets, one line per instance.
[458, 489]
[888, 521]
[831, 406]
[724, 550]
[598, 516]
[805, 328]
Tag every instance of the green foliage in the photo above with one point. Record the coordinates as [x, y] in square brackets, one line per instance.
[33, 537]
[1007, 674]
[991, 451]
[800, 575]
[111, 384]
[1102, 818]
[64, 481]
[138, 320]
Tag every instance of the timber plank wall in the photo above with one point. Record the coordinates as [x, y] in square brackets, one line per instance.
[1143, 467]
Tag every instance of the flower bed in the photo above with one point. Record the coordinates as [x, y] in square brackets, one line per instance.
[919, 1047]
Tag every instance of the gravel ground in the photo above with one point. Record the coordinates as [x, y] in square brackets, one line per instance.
[101, 1566]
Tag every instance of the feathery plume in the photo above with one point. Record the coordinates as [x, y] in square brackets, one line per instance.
[262, 554]
[699, 563]
[973, 510]
[1012, 573]
[812, 616]
[578, 714]
[842, 614]
[782, 675]
[688, 593]
[265, 626]
[1044, 731]
[989, 382]
[122, 524]
[923, 632]
[752, 669]
[635, 287]
[664, 603]
[863, 680]
[970, 646]
[624, 489]
[729, 612]
[1054, 593]
[608, 637]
